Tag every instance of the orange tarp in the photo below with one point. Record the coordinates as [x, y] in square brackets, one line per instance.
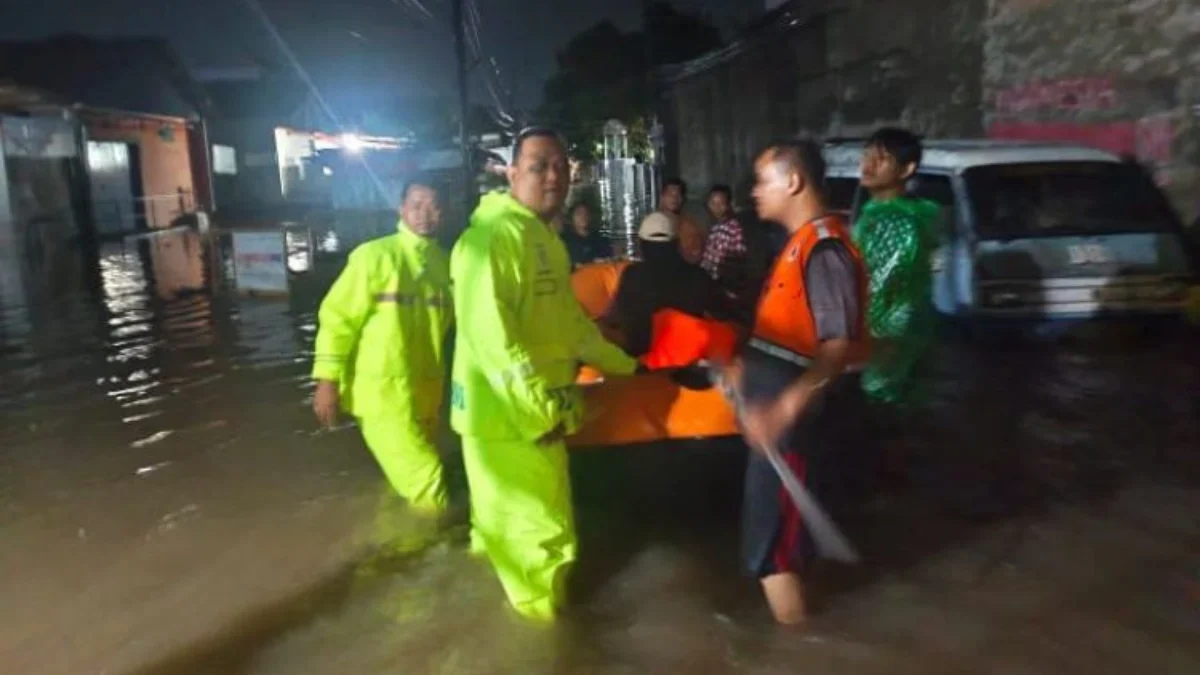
[641, 408]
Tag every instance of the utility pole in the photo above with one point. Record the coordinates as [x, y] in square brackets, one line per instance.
[460, 66]
[648, 55]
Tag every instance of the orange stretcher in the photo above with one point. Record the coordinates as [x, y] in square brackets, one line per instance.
[641, 408]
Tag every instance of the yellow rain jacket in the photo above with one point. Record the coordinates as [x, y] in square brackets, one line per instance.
[381, 337]
[522, 333]
[521, 337]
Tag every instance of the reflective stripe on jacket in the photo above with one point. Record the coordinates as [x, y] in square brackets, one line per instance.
[383, 324]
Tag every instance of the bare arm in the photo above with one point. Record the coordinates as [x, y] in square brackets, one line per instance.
[828, 365]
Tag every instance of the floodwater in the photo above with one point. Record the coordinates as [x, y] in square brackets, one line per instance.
[168, 507]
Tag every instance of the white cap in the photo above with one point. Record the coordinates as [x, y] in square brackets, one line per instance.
[657, 226]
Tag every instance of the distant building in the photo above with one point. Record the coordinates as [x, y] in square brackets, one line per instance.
[247, 106]
[284, 153]
[138, 136]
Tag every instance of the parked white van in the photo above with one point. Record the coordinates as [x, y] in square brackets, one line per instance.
[1038, 230]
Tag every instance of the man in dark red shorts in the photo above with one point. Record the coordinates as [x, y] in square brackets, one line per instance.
[799, 375]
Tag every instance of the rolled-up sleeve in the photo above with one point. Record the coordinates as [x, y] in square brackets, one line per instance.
[831, 280]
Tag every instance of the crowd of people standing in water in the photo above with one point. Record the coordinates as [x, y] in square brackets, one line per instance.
[829, 317]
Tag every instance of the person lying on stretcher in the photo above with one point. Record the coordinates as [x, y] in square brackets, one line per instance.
[664, 280]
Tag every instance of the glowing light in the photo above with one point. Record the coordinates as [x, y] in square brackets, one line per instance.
[352, 143]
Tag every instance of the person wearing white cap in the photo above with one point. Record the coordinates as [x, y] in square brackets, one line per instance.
[661, 279]
[658, 227]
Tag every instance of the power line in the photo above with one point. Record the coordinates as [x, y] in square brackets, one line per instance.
[421, 8]
[456, 17]
[492, 79]
[415, 7]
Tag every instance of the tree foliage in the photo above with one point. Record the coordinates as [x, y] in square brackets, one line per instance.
[604, 73]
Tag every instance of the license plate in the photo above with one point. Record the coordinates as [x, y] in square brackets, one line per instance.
[1088, 254]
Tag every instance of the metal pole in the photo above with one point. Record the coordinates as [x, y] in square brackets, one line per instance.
[460, 60]
[830, 541]
[210, 203]
[648, 47]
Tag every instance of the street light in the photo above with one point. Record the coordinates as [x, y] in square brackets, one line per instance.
[352, 143]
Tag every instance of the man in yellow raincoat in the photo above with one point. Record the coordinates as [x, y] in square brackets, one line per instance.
[383, 327]
[521, 337]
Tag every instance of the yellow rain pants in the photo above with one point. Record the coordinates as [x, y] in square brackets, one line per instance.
[381, 337]
[521, 338]
[409, 459]
[524, 522]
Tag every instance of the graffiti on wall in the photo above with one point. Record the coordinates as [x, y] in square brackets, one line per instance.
[1070, 95]
[1149, 139]
[1153, 139]
[1116, 137]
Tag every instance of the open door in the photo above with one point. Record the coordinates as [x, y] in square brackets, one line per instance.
[115, 183]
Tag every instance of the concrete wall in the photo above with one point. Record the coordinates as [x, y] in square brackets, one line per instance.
[1120, 74]
[831, 68]
[163, 150]
[1123, 75]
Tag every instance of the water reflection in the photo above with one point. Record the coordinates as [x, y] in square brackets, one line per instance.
[167, 504]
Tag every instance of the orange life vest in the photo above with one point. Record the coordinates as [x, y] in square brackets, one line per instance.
[680, 339]
[784, 326]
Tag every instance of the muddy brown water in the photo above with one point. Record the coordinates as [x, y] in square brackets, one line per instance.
[168, 507]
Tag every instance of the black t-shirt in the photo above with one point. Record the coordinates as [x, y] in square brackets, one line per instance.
[646, 288]
[584, 250]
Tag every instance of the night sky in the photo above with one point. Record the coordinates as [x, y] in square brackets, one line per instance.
[355, 43]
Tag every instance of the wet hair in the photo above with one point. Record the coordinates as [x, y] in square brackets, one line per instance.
[904, 146]
[675, 182]
[533, 132]
[722, 190]
[802, 155]
[420, 180]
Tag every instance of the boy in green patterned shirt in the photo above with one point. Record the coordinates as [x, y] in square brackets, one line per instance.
[896, 234]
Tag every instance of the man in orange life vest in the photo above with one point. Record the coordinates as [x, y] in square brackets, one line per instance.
[798, 375]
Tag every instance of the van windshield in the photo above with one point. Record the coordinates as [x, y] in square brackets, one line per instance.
[1065, 198]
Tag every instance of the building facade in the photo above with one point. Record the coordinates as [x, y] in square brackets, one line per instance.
[1116, 74]
[830, 68]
